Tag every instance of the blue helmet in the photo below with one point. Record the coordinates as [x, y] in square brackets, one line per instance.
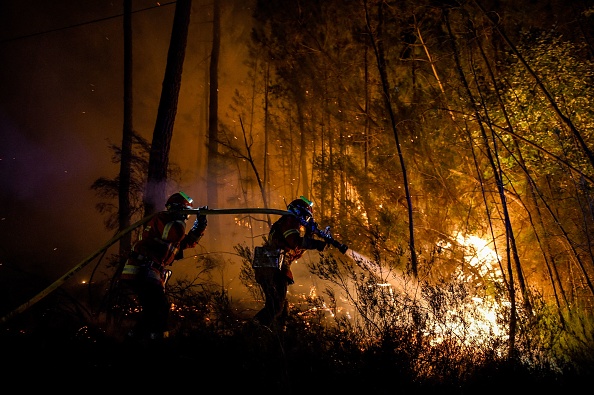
[302, 208]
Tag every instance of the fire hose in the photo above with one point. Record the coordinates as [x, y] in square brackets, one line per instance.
[117, 237]
[324, 234]
[201, 211]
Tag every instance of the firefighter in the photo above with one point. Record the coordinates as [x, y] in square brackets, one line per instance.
[289, 237]
[162, 241]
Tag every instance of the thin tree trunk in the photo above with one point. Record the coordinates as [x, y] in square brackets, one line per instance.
[342, 206]
[156, 186]
[323, 161]
[213, 165]
[331, 166]
[266, 132]
[126, 154]
[433, 69]
[581, 143]
[367, 132]
[531, 185]
[511, 286]
[381, 64]
[304, 179]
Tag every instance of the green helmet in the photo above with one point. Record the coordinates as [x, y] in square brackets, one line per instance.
[179, 201]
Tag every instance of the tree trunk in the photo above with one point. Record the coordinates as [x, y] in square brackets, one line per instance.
[381, 64]
[304, 179]
[212, 176]
[499, 184]
[156, 185]
[126, 154]
[266, 134]
[531, 192]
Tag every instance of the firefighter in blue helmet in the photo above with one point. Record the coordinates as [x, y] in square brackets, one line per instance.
[289, 237]
[162, 241]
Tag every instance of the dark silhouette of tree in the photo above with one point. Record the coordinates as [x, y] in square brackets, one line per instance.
[124, 212]
[155, 190]
[491, 151]
[213, 161]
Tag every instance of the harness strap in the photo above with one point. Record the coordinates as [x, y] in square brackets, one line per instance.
[145, 261]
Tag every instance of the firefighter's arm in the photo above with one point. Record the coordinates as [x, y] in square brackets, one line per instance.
[295, 241]
[196, 233]
[314, 244]
[292, 238]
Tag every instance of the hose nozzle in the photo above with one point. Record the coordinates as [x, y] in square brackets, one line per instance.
[330, 240]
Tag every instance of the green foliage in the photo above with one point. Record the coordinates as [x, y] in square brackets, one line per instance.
[566, 75]
[108, 188]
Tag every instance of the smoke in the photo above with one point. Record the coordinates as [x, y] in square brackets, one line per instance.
[61, 106]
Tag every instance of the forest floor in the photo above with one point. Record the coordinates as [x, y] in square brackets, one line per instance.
[250, 359]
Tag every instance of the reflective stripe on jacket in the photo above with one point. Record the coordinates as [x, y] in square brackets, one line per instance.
[162, 238]
[285, 234]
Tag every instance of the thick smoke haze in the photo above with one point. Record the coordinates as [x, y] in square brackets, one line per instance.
[61, 106]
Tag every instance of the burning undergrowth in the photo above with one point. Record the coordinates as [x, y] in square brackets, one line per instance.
[371, 327]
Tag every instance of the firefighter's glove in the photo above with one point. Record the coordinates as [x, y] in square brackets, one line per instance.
[199, 225]
[320, 245]
[313, 244]
[197, 231]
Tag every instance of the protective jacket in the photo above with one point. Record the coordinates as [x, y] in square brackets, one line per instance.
[162, 241]
[289, 235]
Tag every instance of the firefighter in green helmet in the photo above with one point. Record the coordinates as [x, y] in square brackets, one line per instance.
[162, 241]
[288, 239]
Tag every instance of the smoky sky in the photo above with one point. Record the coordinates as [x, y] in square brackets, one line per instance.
[61, 106]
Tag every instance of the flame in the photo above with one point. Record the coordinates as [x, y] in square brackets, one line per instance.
[476, 321]
[478, 255]
[473, 322]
